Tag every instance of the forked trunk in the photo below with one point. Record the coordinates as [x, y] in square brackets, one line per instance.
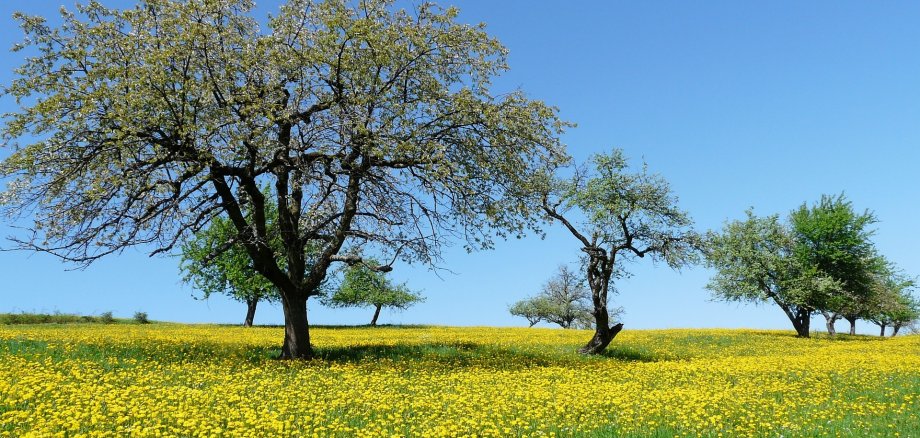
[296, 330]
[250, 312]
[376, 315]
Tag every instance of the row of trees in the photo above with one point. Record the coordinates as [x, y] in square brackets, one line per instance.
[820, 260]
[334, 130]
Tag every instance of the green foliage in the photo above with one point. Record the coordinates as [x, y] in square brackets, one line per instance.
[364, 286]
[141, 318]
[633, 213]
[834, 241]
[214, 261]
[892, 302]
[755, 261]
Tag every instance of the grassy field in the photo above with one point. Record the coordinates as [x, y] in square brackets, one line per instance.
[179, 380]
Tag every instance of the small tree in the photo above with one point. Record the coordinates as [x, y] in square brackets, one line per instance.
[893, 304]
[215, 263]
[626, 215]
[364, 286]
[531, 309]
[563, 300]
[755, 262]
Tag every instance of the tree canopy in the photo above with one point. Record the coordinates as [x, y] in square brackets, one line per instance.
[363, 286]
[755, 261]
[373, 125]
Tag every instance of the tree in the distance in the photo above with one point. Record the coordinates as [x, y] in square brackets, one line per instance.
[227, 272]
[835, 241]
[626, 215]
[563, 300]
[755, 261]
[893, 303]
[363, 286]
[373, 125]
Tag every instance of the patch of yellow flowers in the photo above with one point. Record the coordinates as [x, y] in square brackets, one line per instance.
[211, 381]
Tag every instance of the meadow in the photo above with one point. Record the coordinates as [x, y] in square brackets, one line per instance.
[91, 380]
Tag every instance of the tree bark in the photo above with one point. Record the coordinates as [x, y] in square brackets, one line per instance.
[600, 268]
[830, 319]
[894, 330]
[883, 326]
[250, 312]
[852, 321]
[601, 339]
[296, 329]
[802, 322]
[376, 315]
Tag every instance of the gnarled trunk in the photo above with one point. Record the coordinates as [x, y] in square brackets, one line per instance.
[600, 268]
[296, 329]
[376, 315]
[601, 339]
[250, 312]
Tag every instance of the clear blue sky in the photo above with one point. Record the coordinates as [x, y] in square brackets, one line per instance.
[737, 104]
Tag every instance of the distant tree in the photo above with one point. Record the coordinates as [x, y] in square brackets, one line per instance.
[564, 300]
[373, 124]
[834, 240]
[531, 309]
[626, 215]
[215, 262]
[364, 286]
[893, 303]
[755, 261]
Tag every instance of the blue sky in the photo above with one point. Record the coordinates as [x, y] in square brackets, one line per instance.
[737, 104]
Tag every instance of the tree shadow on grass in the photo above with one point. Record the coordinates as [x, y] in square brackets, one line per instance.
[627, 354]
[460, 354]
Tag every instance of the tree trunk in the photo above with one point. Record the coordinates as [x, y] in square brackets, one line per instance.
[830, 319]
[376, 315]
[250, 312]
[852, 321]
[296, 329]
[602, 337]
[802, 323]
[894, 330]
[883, 326]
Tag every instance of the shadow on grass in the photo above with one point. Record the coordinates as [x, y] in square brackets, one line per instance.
[627, 354]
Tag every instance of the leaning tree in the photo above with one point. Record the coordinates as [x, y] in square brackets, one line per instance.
[755, 261]
[624, 215]
[372, 125]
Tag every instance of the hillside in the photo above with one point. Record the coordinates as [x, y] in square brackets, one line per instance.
[154, 380]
